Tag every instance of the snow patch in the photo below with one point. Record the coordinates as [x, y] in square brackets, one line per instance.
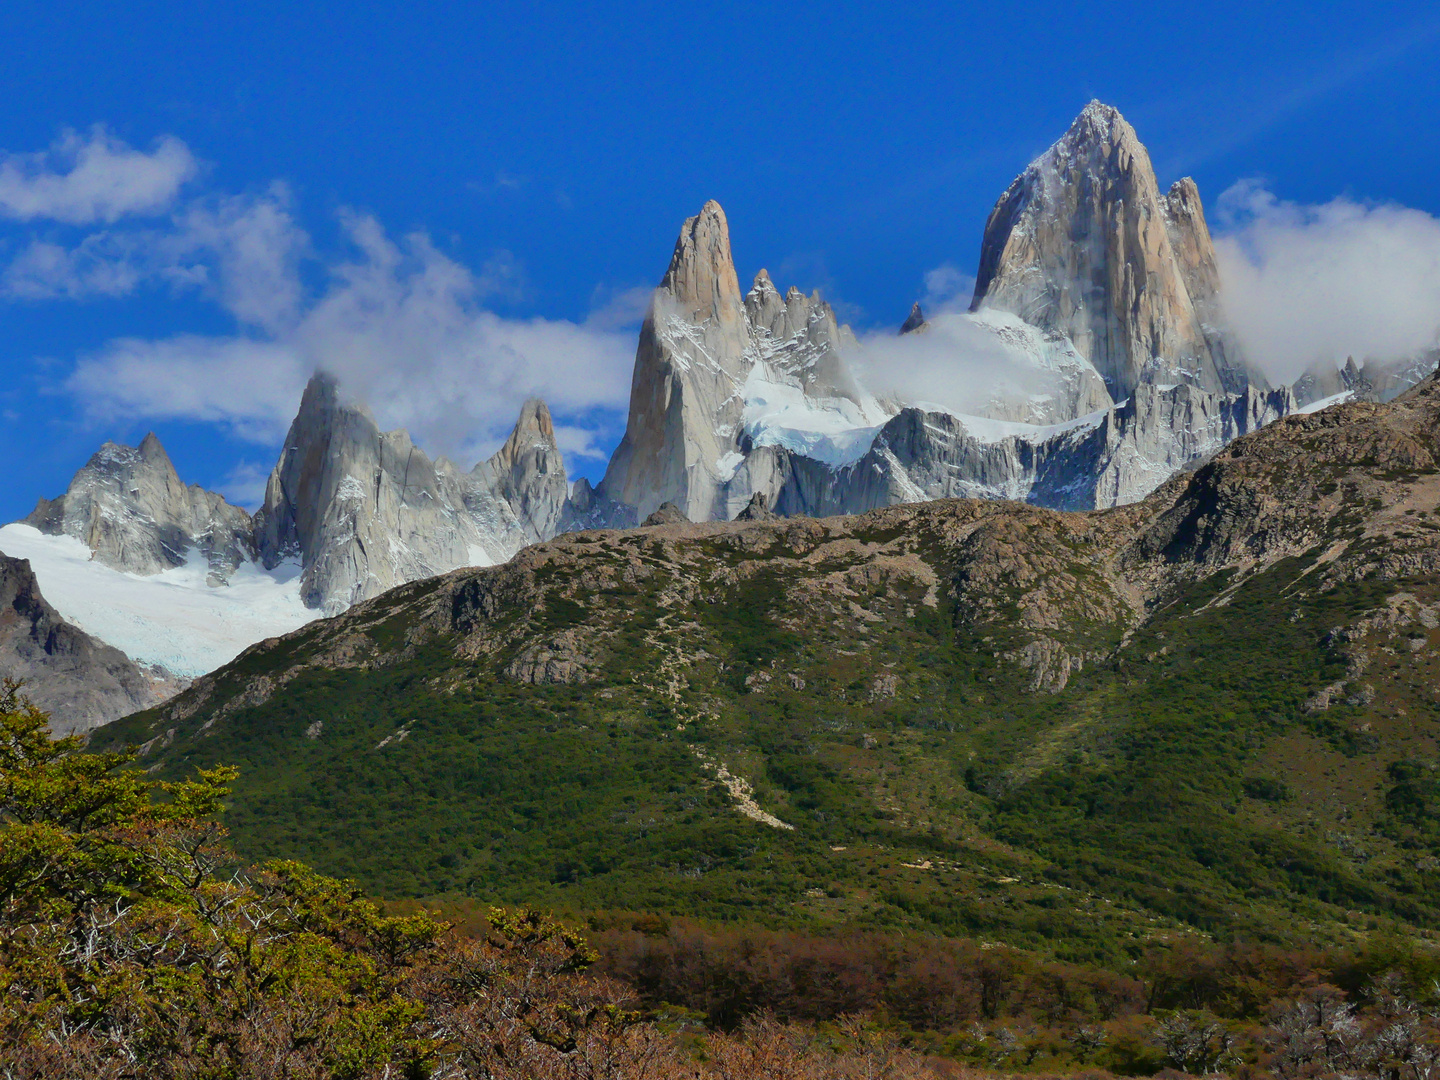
[1326, 402]
[778, 412]
[350, 489]
[172, 619]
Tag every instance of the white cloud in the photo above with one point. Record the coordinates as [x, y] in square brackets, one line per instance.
[1315, 284]
[249, 249]
[82, 179]
[400, 324]
[947, 288]
[956, 363]
[250, 387]
[578, 442]
[100, 265]
[244, 251]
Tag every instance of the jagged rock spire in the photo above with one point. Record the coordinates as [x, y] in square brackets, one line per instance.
[1084, 243]
[529, 472]
[690, 364]
[700, 281]
[130, 507]
[914, 321]
[365, 510]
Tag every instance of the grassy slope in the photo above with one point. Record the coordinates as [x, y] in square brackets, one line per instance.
[1179, 788]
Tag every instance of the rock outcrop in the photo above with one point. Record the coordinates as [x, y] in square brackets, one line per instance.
[130, 507]
[666, 514]
[691, 362]
[915, 320]
[1084, 243]
[758, 509]
[80, 681]
[365, 510]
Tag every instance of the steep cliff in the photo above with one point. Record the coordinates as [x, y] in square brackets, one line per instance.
[365, 510]
[1084, 243]
[80, 681]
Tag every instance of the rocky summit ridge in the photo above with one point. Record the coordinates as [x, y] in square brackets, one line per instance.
[80, 681]
[365, 510]
[1085, 243]
[130, 507]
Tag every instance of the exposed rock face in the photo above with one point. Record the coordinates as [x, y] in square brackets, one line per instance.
[1190, 241]
[915, 320]
[132, 510]
[685, 399]
[1111, 459]
[80, 681]
[1373, 381]
[366, 510]
[529, 474]
[667, 514]
[713, 371]
[757, 510]
[1084, 243]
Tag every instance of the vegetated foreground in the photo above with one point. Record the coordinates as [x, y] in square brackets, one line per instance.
[129, 947]
[1207, 716]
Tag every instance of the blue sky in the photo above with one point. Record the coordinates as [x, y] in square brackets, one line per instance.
[466, 203]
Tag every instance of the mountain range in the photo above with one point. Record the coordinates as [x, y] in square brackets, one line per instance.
[1097, 309]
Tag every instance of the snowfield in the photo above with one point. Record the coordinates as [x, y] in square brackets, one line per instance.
[173, 620]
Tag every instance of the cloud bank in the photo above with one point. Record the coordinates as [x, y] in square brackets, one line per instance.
[403, 326]
[399, 323]
[1305, 285]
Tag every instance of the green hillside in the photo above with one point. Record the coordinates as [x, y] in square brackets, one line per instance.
[1077, 733]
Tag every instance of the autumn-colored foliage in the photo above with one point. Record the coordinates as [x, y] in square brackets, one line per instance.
[133, 946]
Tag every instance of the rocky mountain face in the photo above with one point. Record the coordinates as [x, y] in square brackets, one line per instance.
[714, 374]
[1222, 688]
[350, 510]
[1092, 366]
[1095, 315]
[1083, 242]
[365, 510]
[80, 681]
[1375, 380]
[129, 506]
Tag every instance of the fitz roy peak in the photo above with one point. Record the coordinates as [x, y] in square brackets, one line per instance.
[1084, 243]
[1093, 363]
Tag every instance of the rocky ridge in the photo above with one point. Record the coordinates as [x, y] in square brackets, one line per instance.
[988, 704]
[1095, 286]
[80, 681]
[1057, 590]
[130, 507]
[366, 510]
